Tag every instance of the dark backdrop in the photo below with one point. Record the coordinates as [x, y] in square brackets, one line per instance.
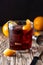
[20, 9]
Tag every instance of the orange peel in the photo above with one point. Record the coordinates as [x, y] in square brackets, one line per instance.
[28, 22]
[27, 27]
[9, 52]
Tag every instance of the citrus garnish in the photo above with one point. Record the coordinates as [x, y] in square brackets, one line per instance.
[9, 52]
[28, 22]
[27, 26]
[5, 27]
[38, 23]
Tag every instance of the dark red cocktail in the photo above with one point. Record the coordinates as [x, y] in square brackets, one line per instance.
[19, 39]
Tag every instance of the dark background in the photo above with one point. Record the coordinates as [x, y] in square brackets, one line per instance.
[20, 10]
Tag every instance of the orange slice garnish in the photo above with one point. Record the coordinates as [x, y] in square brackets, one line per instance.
[26, 27]
[9, 52]
[28, 22]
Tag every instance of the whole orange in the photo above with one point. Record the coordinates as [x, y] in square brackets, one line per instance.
[38, 23]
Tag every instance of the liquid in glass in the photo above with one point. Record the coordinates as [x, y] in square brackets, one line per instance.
[19, 39]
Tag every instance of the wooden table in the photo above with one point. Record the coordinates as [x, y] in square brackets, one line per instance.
[18, 58]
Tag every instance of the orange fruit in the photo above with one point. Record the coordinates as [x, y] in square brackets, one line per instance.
[27, 26]
[36, 33]
[38, 23]
[28, 22]
[5, 28]
[9, 52]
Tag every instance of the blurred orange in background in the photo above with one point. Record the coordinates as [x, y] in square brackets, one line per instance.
[38, 23]
[36, 33]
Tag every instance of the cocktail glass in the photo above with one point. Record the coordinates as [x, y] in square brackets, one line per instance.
[19, 39]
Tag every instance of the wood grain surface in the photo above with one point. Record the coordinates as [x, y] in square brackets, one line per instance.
[19, 58]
